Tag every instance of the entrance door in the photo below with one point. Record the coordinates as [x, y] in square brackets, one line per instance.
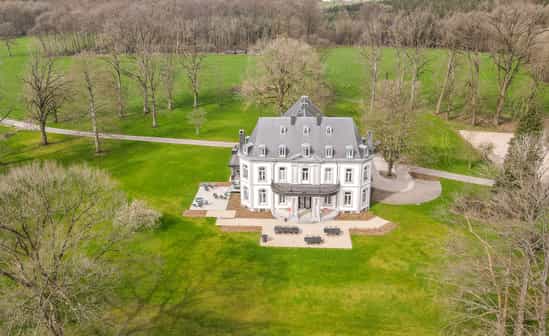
[304, 202]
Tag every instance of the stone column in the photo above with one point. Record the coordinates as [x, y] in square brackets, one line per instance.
[316, 209]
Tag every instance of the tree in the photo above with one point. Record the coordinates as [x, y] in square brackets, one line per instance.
[169, 73]
[501, 285]
[392, 123]
[286, 70]
[45, 91]
[471, 35]
[452, 43]
[515, 29]
[197, 118]
[374, 37]
[415, 32]
[8, 34]
[192, 57]
[57, 233]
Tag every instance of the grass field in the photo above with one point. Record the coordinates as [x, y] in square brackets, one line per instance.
[438, 146]
[187, 278]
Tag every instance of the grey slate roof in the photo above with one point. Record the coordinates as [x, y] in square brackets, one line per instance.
[304, 107]
[267, 133]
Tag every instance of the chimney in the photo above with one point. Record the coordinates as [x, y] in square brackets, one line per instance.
[293, 120]
[242, 139]
[319, 120]
[370, 141]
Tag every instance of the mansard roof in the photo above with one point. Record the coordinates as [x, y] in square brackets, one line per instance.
[343, 135]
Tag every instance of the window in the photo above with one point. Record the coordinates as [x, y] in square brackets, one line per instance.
[282, 151]
[365, 174]
[282, 174]
[364, 196]
[306, 130]
[329, 151]
[348, 198]
[327, 200]
[262, 196]
[245, 171]
[261, 176]
[262, 150]
[283, 130]
[328, 175]
[306, 150]
[348, 175]
[305, 175]
[282, 199]
[245, 194]
[350, 152]
[329, 130]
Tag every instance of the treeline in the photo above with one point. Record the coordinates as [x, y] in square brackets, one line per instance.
[221, 26]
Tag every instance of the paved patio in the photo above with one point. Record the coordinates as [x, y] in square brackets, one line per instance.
[343, 241]
[214, 204]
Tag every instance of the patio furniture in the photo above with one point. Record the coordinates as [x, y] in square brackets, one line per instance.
[332, 231]
[286, 229]
[215, 196]
[265, 238]
[313, 240]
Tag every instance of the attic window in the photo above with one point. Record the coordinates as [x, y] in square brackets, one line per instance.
[283, 130]
[350, 153]
[262, 150]
[329, 152]
[329, 130]
[306, 130]
[282, 151]
[306, 150]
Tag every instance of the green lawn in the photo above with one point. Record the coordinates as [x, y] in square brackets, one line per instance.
[187, 278]
[438, 146]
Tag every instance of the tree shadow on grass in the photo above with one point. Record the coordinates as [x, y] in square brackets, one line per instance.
[205, 288]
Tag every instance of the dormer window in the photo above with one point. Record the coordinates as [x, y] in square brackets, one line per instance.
[262, 150]
[329, 152]
[306, 150]
[283, 130]
[282, 151]
[329, 130]
[306, 130]
[350, 153]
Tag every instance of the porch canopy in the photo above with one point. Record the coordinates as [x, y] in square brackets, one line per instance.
[317, 190]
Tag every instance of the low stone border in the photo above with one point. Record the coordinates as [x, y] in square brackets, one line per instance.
[195, 213]
[355, 216]
[385, 229]
[424, 177]
[240, 228]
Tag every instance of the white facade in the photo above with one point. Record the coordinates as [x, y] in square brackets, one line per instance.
[353, 177]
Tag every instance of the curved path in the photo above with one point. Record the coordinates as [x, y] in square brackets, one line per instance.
[221, 144]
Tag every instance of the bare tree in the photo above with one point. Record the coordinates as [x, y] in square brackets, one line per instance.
[373, 39]
[471, 35]
[452, 43]
[286, 70]
[192, 59]
[45, 91]
[515, 30]
[169, 74]
[8, 34]
[392, 123]
[57, 232]
[415, 31]
[197, 118]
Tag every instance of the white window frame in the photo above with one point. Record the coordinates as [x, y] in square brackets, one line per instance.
[282, 177]
[328, 200]
[245, 171]
[245, 194]
[308, 174]
[329, 151]
[262, 174]
[329, 130]
[364, 196]
[348, 175]
[328, 175]
[262, 150]
[348, 199]
[306, 130]
[350, 153]
[282, 150]
[282, 199]
[283, 130]
[306, 150]
[366, 173]
[262, 196]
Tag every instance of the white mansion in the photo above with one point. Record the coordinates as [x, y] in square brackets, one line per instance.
[303, 165]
